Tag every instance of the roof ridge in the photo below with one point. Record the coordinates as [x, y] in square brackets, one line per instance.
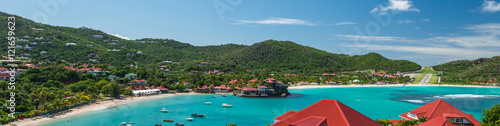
[342, 113]
[435, 108]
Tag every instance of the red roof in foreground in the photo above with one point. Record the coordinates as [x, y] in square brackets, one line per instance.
[334, 113]
[141, 87]
[441, 121]
[440, 109]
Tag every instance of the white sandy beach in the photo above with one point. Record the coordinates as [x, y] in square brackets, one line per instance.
[99, 105]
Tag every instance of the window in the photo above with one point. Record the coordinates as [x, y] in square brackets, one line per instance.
[459, 120]
[412, 115]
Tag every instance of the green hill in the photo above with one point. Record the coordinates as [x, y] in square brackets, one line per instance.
[465, 71]
[268, 55]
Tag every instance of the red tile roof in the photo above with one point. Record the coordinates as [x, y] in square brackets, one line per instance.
[223, 87]
[162, 88]
[441, 121]
[440, 109]
[285, 115]
[311, 121]
[141, 87]
[271, 81]
[233, 81]
[250, 89]
[252, 80]
[3, 68]
[335, 113]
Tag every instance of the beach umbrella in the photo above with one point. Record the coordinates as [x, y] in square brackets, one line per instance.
[21, 117]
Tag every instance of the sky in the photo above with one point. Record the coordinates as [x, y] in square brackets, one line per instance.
[428, 32]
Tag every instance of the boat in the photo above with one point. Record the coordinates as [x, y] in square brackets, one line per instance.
[223, 95]
[179, 124]
[164, 110]
[197, 115]
[189, 119]
[158, 125]
[130, 122]
[179, 111]
[125, 124]
[166, 120]
[225, 105]
[207, 103]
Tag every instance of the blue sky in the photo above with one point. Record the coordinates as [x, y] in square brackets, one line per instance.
[427, 32]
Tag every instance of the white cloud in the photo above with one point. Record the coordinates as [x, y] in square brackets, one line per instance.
[405, 21]
[122, 37]
[490, 6]
[396, 6]
[285, 21]
[425, 20]
[374, 38]
[488, 35]
[442, 51]
[346, 23]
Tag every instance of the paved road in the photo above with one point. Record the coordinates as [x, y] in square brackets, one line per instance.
[426, 79]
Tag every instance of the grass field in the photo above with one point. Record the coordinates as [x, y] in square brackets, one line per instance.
[425, 71]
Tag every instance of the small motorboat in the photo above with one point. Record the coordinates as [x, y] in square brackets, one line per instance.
[207, 103]
[130, 122]
[223, 95]
[225, 105]
[197, 115]
[167, 120]
[125, 124]
[158, 125]
[179, 124]
[189, 119]
[163, 110]
[179, 111]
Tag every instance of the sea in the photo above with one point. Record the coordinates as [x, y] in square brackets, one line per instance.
[374, 102]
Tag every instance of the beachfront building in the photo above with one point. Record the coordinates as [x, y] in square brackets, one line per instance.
[222, 89]
[440, 113]
[326, 112]
[203, 89]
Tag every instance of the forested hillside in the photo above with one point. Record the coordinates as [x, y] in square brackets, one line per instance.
[41, 42]
[486, 70]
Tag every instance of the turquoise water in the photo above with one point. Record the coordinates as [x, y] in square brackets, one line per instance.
[374, 102]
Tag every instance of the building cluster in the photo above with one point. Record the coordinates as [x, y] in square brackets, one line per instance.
[333, 113]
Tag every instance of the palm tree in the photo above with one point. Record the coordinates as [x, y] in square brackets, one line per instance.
[384, 122]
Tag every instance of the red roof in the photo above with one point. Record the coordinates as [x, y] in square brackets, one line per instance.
[4, 75]
[252, 80]
[311, 121]
[262, 86]
[162, 88]
[223, 87]
[441, 121]
[334, 113]
[3, 68]
[271, 80]
[131, 87]
[141, 87]
[233, 81]
[202, 87]
[284, 116]
[440, 109]
[250, 89]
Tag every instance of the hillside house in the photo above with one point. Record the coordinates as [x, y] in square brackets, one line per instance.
[131, 76]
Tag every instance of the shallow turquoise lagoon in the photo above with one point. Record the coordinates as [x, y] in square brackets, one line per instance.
[374, 102]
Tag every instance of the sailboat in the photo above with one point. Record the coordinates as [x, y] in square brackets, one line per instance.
[163, 110]
[189, 119]
[227, 105]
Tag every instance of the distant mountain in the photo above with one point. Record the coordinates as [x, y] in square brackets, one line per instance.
[269, 55]
[467, 71]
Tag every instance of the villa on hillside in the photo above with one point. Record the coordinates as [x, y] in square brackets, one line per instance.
[326, 112]
[222, 89]
[131, 76]
[203, 89]
[440, 113]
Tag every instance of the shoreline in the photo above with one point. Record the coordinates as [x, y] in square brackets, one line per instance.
[92, 107]
[385, 85]
[104, 104]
